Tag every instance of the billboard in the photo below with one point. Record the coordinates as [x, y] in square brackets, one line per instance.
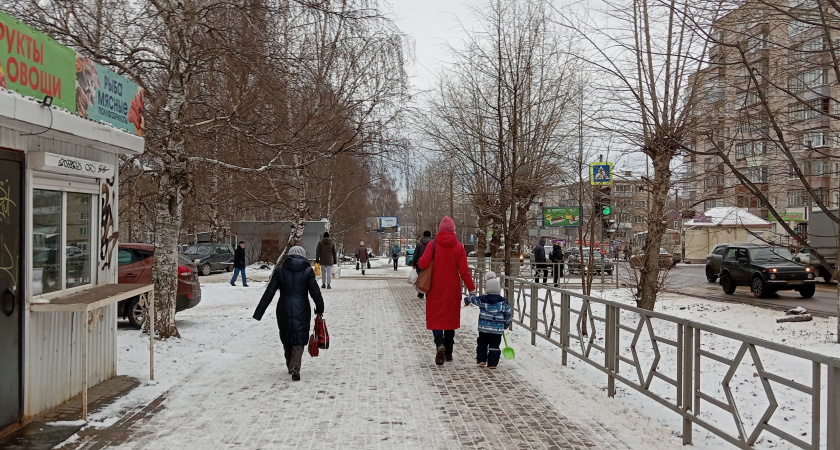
[562, 216]
[35, 65]
[382, 224]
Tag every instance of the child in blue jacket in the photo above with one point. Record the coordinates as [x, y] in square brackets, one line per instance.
[492, 321]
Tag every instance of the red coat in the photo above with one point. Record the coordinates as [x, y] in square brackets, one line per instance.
[444, 300]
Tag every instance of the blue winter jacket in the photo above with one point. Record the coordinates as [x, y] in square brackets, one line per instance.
[495, 313]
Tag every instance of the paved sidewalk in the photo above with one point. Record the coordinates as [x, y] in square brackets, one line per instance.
[376, 387]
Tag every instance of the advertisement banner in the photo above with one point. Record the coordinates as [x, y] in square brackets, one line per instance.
[104, 96]
[562, 216]
[386, 224]
[35, 65]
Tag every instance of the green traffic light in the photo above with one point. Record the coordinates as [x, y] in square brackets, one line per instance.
[606, 211]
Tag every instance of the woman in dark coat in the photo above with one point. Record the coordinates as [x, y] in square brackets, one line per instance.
[362, 256]
[295, 279]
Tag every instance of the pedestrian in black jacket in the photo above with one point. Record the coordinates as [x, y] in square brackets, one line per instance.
[239, 264]
[557, 259]
[295, 279]
[418, 253]
[539, 259]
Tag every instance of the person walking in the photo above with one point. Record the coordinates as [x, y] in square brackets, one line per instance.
[418, 253]
[395, 255]
[539, 259]
[326, 256]
[295, 278]
[443, 301]
[239, 264]
[493, 320]
[557, 260]
[362, 257]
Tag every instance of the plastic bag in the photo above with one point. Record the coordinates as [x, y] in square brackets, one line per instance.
[317, 270]
[336, 272]
[412, 276]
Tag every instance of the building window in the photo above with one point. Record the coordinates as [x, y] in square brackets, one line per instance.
[757, 174]
[820, 168]
[796, 198]
[814, 139]
[709, 204]
[61, 256]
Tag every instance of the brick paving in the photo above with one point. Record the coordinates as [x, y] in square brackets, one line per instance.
[376, 387]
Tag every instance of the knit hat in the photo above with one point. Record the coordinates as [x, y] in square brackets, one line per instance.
[326, 234]
[491, 285]
[297, 250]
[446, 224]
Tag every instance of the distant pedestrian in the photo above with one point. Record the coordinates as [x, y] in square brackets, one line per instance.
[443, 301]
[539, 259]
[395, 255]
[557, 260]
[418, 253]
[493, 320]
[295, 279]
[362, 257]
[326, 256]
[239, 264]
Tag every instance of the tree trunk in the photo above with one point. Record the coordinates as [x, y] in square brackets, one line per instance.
[657, 224]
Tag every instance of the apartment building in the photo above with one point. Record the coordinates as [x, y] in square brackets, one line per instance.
[765, 102]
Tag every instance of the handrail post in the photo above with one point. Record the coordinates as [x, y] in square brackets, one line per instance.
[610, 348]
[687, 381]
[534, 311]
[833, 409]
[565, 325]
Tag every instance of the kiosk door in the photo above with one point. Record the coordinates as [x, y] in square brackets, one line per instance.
[11, 298]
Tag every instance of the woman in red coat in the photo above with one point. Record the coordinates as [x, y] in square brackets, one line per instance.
[443, 301]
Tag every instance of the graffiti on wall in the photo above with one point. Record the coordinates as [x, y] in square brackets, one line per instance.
[6, 202]
[108, 232]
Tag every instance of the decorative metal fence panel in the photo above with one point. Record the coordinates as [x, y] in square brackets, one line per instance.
[667, 358]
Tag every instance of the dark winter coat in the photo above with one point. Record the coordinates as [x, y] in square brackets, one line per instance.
[556, 253]
[539, 252]
[239, 257]
[419, 249]
[362, 254]
[443, 301]
[395, 251]
[295, 279]
[325, 252]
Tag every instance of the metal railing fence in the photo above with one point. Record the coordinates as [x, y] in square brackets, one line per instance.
[609, 336]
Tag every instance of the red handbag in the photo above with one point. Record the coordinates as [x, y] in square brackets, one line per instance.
[322, 336]
[313, 346]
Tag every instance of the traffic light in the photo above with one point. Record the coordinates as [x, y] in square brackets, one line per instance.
[606, 210]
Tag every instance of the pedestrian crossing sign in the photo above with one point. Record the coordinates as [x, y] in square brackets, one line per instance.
[600, 173]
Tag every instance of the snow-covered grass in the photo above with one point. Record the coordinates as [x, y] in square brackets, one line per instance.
[578, 390]
[584, 387]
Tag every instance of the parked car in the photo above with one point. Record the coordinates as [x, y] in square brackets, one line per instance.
[600, 261]
[209, 257]
[765, 269]
[666, 260]
[713, 262]
[135, 266]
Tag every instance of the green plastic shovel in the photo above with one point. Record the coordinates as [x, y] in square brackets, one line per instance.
[507, 352]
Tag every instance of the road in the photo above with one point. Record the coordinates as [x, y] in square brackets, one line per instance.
[691, 279]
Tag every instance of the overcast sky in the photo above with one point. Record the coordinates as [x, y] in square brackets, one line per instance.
[431, 23]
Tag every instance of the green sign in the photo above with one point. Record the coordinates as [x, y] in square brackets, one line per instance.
[107, 97]
[788, 217]
[562, 216]
[33, 64]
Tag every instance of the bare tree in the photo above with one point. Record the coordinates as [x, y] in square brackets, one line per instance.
[642, 67]
[500, 115]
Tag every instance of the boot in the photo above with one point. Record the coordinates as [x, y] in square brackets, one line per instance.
[440, 355]
[296, 374]
[323, 286]
[448, 354]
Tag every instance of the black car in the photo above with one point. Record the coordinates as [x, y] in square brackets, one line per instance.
[765, 269]
[210, 256]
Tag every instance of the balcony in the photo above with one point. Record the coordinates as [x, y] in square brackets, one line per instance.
[821, 182]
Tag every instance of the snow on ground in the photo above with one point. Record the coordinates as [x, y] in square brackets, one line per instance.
[578, 390]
